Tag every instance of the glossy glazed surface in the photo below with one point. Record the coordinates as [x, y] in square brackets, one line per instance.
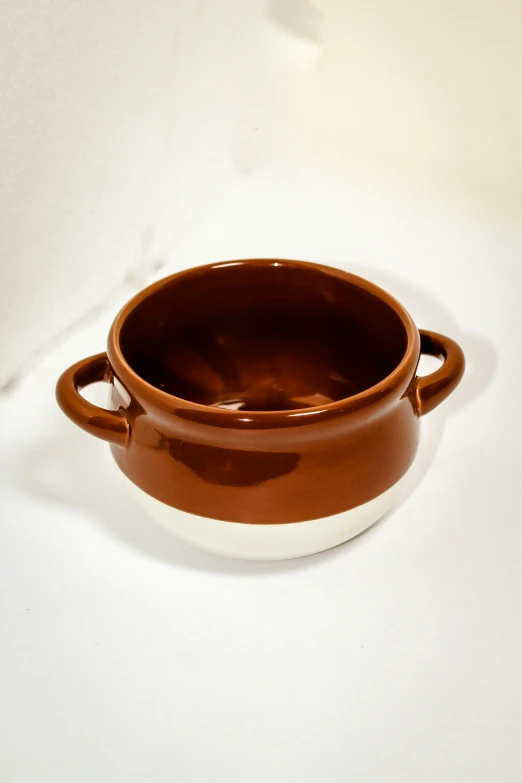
[278, 338]
[263, 391]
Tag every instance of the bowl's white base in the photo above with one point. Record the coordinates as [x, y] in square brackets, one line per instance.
[266, 542]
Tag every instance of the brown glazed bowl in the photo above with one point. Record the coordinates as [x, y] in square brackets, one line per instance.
[263, 409]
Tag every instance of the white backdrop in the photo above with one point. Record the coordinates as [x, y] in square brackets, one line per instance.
[124, 122]
[126, 655]
[116, 132]
[379, 136]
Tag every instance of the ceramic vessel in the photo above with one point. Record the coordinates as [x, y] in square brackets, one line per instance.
[263, 409]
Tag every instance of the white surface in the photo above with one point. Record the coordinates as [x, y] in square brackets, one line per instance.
[106, 153]
[126, 656]
[124, 121]
[267, 542]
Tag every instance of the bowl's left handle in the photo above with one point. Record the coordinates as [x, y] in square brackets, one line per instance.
[105, 424]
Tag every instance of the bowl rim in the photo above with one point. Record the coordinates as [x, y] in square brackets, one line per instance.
[399, 380]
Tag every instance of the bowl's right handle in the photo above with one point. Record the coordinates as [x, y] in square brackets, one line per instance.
[431, 390]
[106, 424]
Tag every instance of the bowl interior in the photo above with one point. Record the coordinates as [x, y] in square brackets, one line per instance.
[262, 337]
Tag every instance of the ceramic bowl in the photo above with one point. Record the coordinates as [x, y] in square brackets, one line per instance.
[263, 409]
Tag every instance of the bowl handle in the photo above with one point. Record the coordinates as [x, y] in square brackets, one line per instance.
[105, 424]
[431, 390]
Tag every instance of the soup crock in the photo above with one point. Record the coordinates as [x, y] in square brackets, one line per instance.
[263, 409]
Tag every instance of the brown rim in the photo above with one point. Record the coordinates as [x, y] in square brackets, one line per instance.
[399, 379]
